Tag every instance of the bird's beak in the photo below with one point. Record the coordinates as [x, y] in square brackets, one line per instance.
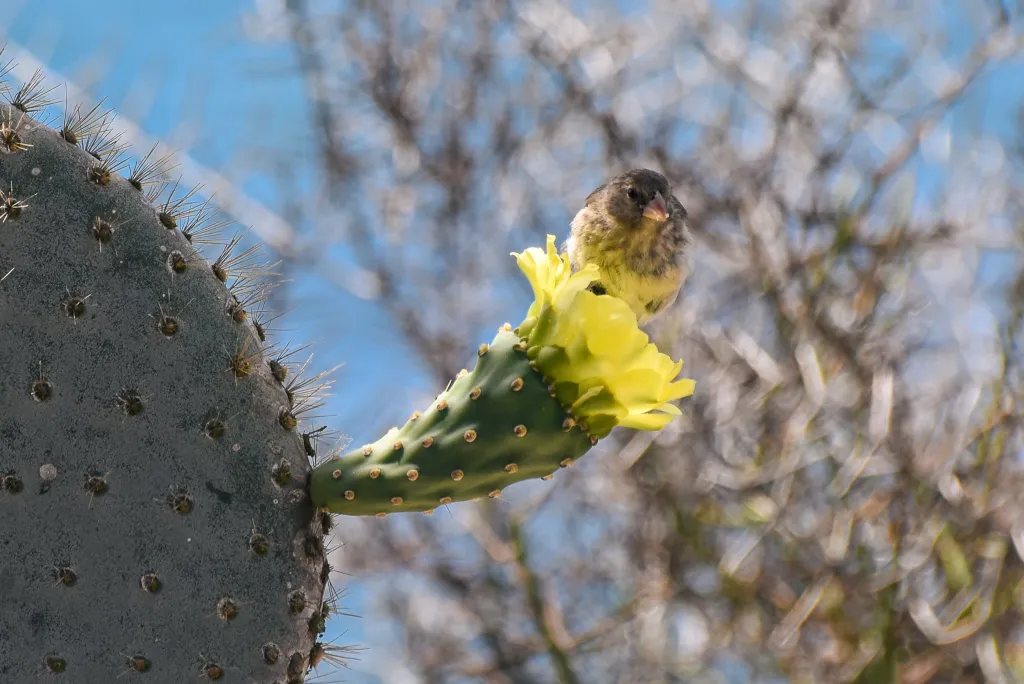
[656, 209]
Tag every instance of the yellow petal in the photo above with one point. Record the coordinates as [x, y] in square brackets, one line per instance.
[599, 401]
[646, 421]
[679, 389]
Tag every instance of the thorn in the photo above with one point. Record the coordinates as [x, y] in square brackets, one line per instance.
[174, 210]
[146, 171]
[77, 125]
[32, 96]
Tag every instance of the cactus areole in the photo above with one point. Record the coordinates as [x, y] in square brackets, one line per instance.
[538, 398]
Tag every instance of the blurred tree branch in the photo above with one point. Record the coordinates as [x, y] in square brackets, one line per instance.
[841, 500]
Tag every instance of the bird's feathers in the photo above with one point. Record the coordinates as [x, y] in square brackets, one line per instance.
[643, 261]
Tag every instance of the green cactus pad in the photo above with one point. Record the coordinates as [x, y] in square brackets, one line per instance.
[493, 427]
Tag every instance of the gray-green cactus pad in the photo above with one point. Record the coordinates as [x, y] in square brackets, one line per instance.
[146, 525]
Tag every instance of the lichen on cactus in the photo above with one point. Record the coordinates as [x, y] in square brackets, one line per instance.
[152, 472]
[539, 397]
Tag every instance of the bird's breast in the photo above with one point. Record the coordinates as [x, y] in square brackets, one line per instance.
[645, 294]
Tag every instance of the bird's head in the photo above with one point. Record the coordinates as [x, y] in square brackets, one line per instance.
[639, 198]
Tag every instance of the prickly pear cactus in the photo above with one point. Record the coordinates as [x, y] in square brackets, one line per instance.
[492, 427]
[154, 515]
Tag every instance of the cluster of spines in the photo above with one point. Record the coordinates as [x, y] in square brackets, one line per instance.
[248, 281]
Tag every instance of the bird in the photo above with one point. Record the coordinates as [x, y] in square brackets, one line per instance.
[636, 231]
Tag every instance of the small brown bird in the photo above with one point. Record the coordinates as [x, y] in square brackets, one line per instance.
[635, 230]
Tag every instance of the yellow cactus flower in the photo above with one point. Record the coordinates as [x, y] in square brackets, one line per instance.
[603, 368]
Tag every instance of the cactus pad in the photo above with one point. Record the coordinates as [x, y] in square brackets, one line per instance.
[493, 427]
[155, 521]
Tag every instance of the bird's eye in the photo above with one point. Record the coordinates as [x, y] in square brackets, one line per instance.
[632, 193]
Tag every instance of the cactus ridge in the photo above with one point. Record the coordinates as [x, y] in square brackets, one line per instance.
[154, 513]
[493, 427]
